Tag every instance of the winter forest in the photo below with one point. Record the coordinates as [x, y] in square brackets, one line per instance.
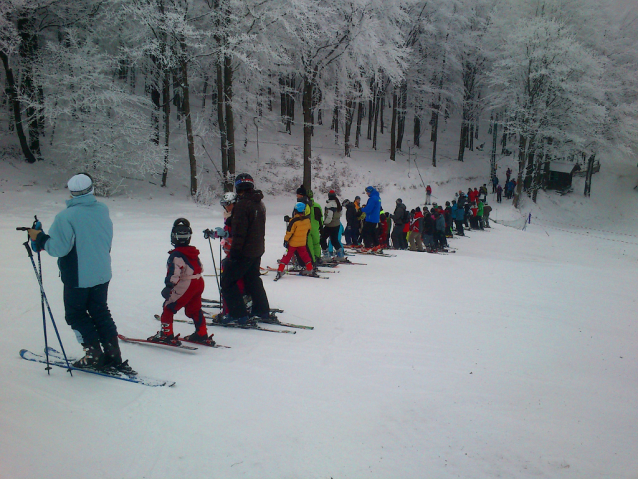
[507, 351]
[106, 86]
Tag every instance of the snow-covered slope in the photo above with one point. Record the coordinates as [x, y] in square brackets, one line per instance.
[514, 357]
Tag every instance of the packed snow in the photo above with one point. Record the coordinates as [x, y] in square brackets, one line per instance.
[514, 357]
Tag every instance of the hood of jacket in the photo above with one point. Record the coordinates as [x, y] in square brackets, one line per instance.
[190, 252]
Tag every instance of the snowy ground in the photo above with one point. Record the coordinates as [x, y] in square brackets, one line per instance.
[514, 357]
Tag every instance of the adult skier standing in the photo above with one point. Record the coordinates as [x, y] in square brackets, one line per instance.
[248, 225]
[398, 239]
[81, 237]
[372, 210]
[332, 224]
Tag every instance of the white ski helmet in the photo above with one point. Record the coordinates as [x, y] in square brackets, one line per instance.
[228, 199]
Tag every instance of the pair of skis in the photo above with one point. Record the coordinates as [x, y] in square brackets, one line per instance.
[271, 320]
[56, 359]
[302, 272]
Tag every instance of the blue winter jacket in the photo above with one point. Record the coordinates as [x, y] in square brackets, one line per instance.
[372, 209]
[81, 237]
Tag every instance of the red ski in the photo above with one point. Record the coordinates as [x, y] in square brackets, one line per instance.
[146, 341]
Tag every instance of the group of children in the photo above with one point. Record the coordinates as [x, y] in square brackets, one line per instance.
[314, 237]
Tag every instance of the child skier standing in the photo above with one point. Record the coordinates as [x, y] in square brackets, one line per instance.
[184, 288]
[295, 240]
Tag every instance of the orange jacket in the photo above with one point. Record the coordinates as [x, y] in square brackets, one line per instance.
[297, 232]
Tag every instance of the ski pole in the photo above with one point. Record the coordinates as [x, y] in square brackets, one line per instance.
[37, 225]
[219, 288]
[44, 297]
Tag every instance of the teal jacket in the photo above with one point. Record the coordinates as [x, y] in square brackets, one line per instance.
[81, 237]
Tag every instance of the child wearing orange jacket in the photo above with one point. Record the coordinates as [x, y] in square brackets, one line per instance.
[296, 239]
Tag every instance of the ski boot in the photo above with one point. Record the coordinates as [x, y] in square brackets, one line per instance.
[200, 338]
[113, 358]
[279, 275]
[93, 356]
[162, 338]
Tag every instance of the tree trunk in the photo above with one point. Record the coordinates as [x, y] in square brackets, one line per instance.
[221, 120]
[403, 99]
[417, 131]
[377, 102]
[371, 107]
[348, 126]
[230, 120]
[494, 143]
[17, 115]
[166, 99]
[435, 133]
[522, 157]
[359, 120]
[381, 109]
[307, 132]
[529, 169]
[590, 174]
[463, 139]
[186, 108]
[28, 51]
[393, 128]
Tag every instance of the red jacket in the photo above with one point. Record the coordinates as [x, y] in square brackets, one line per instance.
[415, 222]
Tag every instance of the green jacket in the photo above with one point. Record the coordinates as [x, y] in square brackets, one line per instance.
[316, 216]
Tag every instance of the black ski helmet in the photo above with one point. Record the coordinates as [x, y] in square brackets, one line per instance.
[181, 232]
[243, 182]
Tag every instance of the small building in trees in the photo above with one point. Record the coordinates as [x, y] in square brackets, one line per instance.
[559, 174]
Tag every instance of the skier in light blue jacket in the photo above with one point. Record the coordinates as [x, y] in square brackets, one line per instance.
[80, 237]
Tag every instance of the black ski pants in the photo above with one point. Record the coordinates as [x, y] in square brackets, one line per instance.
[88, 314]
[248, 269]
[331, 232]
[369, 234]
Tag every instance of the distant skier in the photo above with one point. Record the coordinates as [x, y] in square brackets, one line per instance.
[81, 237]
[508, 174]
[416, 242]
[499, 194]
[316, 221]
[183, 288]
[331, 226]
[428, 194]
[399, 216]
[372, 210]
[352, 222]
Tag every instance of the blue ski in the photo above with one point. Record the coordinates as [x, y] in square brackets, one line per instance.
[56, 359]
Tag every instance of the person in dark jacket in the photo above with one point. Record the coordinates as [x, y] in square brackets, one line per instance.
[244, 258]
[428, 230]
[398, 238]
[352, 222]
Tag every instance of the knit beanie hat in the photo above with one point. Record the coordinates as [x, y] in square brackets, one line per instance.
[302, 191]
[80, 185]
[332, 195]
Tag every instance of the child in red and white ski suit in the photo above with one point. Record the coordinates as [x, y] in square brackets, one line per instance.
[184, 288]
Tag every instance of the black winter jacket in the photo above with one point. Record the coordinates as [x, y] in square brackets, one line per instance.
[249, 226]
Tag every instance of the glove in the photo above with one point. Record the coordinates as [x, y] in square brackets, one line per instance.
[286, 244]
[208, 234]
[37, 226]
[221, 233]
[166, 292]
[286, 218]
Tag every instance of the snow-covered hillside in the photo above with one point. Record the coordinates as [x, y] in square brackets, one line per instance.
[514, 357]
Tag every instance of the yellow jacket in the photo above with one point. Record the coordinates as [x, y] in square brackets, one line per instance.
[297, 232]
